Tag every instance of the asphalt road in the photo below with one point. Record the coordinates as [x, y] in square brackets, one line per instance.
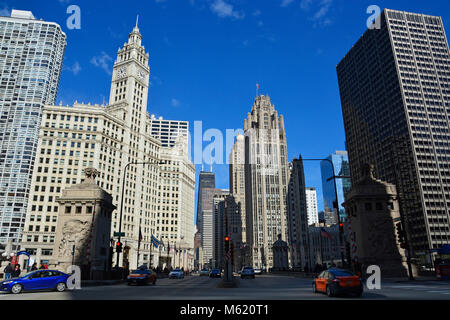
[263, 287]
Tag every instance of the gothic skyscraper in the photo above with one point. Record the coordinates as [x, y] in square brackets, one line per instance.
[266, 180]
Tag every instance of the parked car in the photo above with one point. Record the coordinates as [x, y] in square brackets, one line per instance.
[204, 272]
[215, 273]
[247, 272]
[36, 280]
[142, 276]
[176, 274]
[334, 282]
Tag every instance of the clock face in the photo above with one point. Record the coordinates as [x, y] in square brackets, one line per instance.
[141, 75]
[122, 72]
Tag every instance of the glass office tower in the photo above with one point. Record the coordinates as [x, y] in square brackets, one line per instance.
[343, 184]
[31, 55]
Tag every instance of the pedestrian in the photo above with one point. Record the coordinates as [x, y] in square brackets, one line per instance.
[45, 266]
[8, 271]
[17, 271]
[34, 267]
[42, 267]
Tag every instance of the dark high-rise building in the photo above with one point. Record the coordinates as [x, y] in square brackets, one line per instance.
[395, 94]
[298, 216]
[205, 180]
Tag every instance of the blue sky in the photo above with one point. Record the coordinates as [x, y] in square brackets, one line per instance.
[206, 57]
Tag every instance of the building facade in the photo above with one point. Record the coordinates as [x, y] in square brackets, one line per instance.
[395, 94]
[158, 198]
[339, 159]
[298, 217]
[237, 182]
[311, 205]
[266, 180]
[169, 131]
[31, 56]
[209, 227]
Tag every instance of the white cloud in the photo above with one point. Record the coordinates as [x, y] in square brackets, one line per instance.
[102, 62]
[323, 10]
[285, 3]
[75, 69]
[5, 11]
[305, 4]
[225, 10]
[175, 102]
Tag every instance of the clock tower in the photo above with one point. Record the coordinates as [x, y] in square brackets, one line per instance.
[130, 81]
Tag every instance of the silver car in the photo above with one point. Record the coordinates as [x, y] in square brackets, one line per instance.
[176, 274]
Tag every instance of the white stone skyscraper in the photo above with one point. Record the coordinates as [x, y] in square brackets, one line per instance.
[31, 55]
[158, 199]
[311, 205]
[266, 180]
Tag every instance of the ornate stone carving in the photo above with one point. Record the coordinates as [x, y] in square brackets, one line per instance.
[74, 231]
[91, 173]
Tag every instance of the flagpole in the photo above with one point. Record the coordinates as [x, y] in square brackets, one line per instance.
[139, 245]
[151, 245]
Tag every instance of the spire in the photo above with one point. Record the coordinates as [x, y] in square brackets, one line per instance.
[137, 20]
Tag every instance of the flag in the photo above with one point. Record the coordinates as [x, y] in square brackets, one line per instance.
[155, 242]
[324, 233]
[140, 238]
[257, 86]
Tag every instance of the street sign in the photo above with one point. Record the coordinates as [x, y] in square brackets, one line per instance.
[119, 234]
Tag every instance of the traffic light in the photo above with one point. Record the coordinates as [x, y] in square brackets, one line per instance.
[400, 235]
[118, 247]
[227, 244]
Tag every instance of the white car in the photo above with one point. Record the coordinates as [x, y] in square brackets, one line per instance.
[176, 274]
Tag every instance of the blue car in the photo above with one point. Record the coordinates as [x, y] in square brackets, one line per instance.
[36, 280]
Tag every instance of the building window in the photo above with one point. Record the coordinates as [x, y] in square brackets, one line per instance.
[68, 209]
[78, 210]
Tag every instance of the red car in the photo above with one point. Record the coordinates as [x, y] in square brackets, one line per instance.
[142, 276]
[334, 282]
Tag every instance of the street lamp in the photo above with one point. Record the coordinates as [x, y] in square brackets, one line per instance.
[336, 206]
[123, 193]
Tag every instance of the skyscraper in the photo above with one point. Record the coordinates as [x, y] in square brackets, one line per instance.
[395, 93]
[159, 199]
[169, 131]
[298, 216]
[266, 180]
[237, 179]
[311, 205]
[210, 197]
[31, 55]
[205, 180]
[342, 180]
